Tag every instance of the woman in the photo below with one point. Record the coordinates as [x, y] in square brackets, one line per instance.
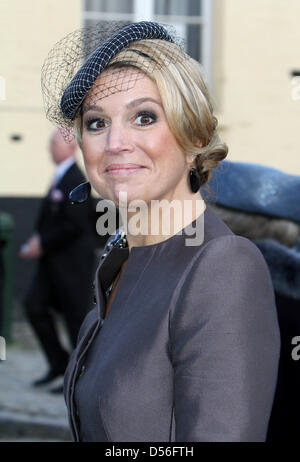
[183, 344]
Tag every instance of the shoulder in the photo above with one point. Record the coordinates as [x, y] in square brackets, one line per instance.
[228, 257]
[235, 268]
[232, 264]
[237, 250]
[74, 174]
[228, 284]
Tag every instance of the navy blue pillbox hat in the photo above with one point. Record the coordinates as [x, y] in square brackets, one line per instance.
[83, 80]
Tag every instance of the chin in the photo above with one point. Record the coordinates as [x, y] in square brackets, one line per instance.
[123, 195]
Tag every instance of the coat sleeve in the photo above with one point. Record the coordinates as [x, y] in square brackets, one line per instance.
[225, 344]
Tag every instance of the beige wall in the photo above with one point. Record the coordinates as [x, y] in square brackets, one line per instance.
[255, 45]
[259, 45]
[28, 29]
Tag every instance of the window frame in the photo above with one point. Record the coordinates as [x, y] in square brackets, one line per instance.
[144, 14]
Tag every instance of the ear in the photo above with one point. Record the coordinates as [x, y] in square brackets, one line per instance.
[190, 159]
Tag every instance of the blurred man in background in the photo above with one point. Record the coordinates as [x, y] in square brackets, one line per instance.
[63, 243]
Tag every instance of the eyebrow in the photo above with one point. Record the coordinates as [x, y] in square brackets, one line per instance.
[132, 104]
[137, 102]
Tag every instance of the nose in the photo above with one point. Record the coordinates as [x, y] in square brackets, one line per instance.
[117, 139]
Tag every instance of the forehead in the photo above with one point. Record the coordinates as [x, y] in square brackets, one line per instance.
[127, 80]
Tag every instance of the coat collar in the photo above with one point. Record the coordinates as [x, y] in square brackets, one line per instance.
[116, 251]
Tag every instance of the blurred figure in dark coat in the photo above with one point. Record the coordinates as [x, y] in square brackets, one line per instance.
[63, 243]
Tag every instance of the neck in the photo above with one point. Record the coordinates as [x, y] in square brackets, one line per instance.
[66, 160]
[157, 221]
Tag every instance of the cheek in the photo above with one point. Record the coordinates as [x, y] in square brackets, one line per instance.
[166, 153]
[91, 153]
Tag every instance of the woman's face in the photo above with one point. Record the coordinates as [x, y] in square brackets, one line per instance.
[127, 143]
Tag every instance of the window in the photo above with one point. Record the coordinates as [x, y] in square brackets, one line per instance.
[191, 18]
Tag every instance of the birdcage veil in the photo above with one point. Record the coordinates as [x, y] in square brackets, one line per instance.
[74, 63]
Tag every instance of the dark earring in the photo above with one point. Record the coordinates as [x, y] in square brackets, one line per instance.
[81, 193]
[194, 180]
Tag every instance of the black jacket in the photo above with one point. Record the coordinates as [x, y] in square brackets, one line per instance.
[67, 234]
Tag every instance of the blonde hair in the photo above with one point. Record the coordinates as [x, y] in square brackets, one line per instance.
[184, 96]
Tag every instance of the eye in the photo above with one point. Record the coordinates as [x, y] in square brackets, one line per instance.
[95, 124]
[145, 118]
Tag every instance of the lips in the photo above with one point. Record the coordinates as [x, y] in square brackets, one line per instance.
[123, 169]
